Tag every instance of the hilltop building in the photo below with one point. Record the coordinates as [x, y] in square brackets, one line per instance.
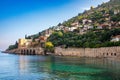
[24, 43]
[42, 39]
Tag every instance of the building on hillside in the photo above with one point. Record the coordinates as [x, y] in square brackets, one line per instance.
[37, 40]
[86, 27]
[87, 22]
[106, 26]
[106, 15]
[119, 22]
[113, 24]
[75, 24]
[82, 31]
[80, 26]
[116, 11]
[42, 39]
[115, 38]
[58, 28]
[22, 43]
[48, 32]
[72, 28]
[84, 21]
[66, 29]
[99, 27]
[90, 27]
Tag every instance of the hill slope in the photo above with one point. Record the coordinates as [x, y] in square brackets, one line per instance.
[92, 28]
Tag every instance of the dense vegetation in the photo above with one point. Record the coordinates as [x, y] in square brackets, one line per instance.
[93, 38]
[90, 39]
[49, 47]
[97, 15]
[15, 46]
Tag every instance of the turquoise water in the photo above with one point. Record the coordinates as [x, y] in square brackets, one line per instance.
[21, 67]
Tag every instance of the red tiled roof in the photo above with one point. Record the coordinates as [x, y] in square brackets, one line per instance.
[117, 36]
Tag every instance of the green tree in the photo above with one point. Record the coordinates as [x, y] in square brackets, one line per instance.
[49, 46]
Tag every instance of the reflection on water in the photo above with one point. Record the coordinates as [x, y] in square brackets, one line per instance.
[16, 67]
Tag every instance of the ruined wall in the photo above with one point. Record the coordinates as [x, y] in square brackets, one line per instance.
[89, 52]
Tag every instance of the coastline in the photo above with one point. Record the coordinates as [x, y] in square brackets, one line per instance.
[103, 52]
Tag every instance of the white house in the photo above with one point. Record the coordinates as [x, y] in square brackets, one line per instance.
[115, 38]
[76, 24]
[86, 21]
[59, 27]
[116, 11]
[72, 28]
[99, 27]
[119, 22]
[90, 27]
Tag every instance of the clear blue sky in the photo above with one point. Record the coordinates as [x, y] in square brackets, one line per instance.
[20, 17]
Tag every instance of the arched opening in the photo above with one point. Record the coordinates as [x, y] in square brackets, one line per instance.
[34, 52]
[115, 54]
[111, 54]
[30, 51]
[27, 51]
[107, 54]
[22, 51]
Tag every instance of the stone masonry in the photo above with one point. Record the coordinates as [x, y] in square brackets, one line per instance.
[89, 52]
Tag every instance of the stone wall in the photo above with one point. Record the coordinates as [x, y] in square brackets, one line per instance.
[27, 51]
[81, 52]
[89, 52]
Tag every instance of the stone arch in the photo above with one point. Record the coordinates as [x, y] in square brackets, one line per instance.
[111, 54]
[22, 51]
[107, 54]
[27, 51]
[30, 51]
[115, 54]
[34, 52]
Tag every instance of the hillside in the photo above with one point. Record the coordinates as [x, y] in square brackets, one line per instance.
[92, 28]
[96, 27]
[98, 14]
[105, 12]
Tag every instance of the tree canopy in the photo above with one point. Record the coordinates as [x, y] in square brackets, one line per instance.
[91, 39]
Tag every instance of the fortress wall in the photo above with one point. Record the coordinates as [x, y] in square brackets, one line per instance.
[81, 52]
[27, 51]
[89, 52]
